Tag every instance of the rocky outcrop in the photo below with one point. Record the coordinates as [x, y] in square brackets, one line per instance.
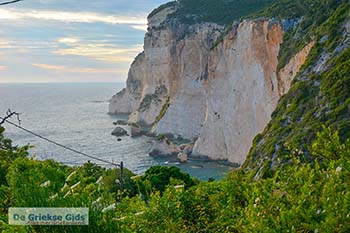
[164, 147]
[120, 122]
[182, 157]
[193, 82]
[287, 73]
[119, 131]
[173, 65]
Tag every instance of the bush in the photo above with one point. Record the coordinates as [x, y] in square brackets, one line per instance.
[157, 178]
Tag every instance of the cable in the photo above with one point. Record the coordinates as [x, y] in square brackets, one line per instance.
[79, 163]
[60, 145]
[5, 3]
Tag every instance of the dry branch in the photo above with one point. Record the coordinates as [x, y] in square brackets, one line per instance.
[9, 114]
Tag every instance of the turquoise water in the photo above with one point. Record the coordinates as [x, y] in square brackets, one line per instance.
[75, 115]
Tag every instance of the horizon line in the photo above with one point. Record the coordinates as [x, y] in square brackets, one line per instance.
[59, 82]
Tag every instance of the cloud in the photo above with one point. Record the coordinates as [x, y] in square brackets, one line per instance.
[48, 67]
[68, 40]
[3, 68]
[101, 52]
[138, 22]
[5, 44]
[65, 69]
[140, 27]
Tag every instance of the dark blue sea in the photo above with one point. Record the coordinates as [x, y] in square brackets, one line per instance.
[75, 115]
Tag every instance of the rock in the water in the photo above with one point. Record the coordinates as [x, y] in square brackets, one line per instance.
[182, 157]
[119, 139]
[136, 132]
[164, 148]
[119, 131]
[187, 148]
[120, 122]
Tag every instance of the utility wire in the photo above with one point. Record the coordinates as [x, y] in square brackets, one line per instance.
[9, 2]
[60, 145]
[79, 163]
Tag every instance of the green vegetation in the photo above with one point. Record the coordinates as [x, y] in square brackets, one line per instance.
[302, 18]
[135, 125]
[26, 182]
[154, 98]
[220, 39]
[310, 14]
[315, 99]
[222, 12]
[157, 178]
[298, 197]
[162, 7]
[164, 109]
[8, 153]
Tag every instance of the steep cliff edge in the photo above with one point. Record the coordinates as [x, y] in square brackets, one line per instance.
[213, 84]
[218, 85]
[319, 96]
[242, 90]
[173, 62]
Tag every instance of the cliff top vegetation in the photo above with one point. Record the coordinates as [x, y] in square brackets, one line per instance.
[220, 11]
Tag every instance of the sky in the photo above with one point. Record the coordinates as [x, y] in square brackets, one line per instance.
[71, 41]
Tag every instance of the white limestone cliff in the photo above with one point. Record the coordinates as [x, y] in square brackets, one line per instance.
[221, 96]
[242, 90]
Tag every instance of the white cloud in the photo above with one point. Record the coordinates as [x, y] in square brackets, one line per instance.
[137, 22]
[5, 44]
[68, 40]
[140, 27]
[77, 69]
[101, 52]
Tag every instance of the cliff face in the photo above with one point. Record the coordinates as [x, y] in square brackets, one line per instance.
[287, 73]
[242, 90]
[173, 65]
[319, 96]
[220, 96]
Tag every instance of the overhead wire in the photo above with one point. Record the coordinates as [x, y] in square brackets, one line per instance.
[59, 144]
[9, 2]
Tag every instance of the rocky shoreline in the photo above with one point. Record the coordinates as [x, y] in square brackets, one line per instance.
[176, 149]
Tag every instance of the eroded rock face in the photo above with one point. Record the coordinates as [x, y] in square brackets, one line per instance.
[287, 73]
[221, 95]
[173, 65]
[242, 90]
[164, 148]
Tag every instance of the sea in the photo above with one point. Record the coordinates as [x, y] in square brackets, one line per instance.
[75, 115]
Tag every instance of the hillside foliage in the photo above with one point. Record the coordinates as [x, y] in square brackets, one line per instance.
[222, 12]
[299, 197]
[316, 98]
[302, 20]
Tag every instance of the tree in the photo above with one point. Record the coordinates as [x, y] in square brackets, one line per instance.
[8, 154]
